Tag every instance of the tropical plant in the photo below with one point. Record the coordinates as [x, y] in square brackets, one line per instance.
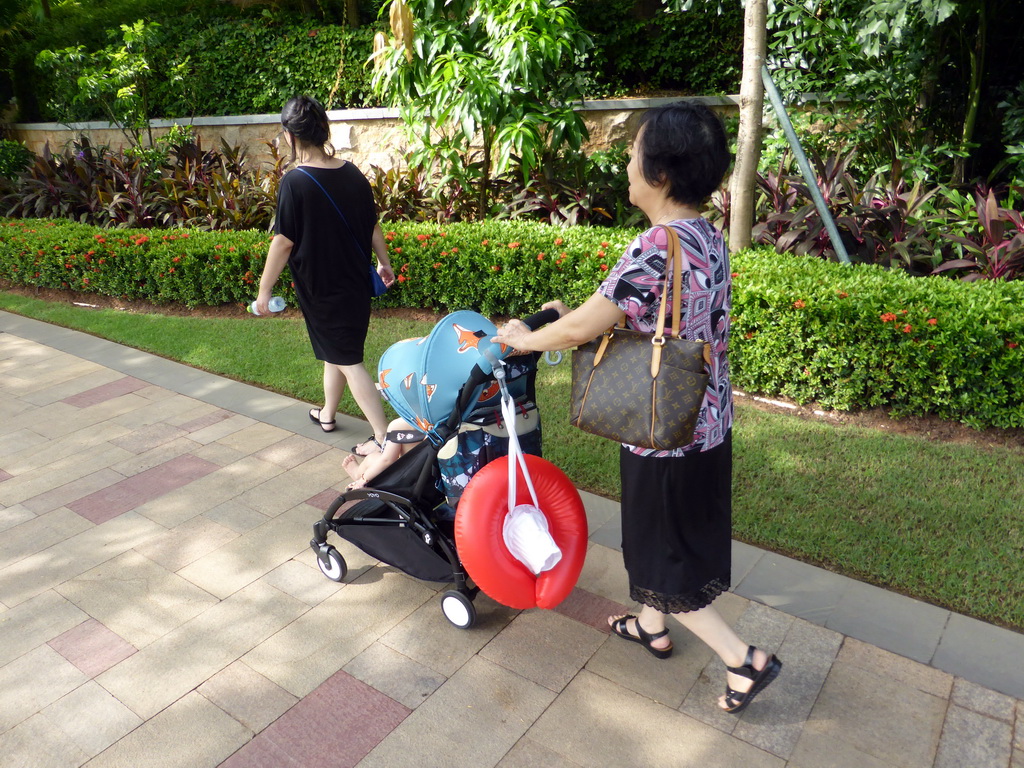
[118, 78]
[569, 188]
[998, 253]
[504, 73]
[204, 189]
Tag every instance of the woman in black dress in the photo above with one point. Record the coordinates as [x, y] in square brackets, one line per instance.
[325, 228]
[677, 504]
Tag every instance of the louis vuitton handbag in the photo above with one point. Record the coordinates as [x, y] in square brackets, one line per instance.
[640, 388]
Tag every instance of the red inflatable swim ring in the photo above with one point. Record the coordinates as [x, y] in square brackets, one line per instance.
[480, 519]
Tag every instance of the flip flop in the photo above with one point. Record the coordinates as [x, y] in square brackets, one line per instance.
[642, 636]
[371, 439]
[323, 424]
[740, 699]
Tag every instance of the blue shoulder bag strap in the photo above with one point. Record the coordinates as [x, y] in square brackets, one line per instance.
[331, 199]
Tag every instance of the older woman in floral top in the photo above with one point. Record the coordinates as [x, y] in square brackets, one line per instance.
[677, 504]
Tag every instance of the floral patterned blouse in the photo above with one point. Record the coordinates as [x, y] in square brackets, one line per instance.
[635, 285]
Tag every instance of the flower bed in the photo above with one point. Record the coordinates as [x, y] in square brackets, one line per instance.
[847, 337]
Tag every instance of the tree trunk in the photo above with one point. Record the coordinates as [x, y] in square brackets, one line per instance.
[973, 94]
[352, 13]
[748, 145]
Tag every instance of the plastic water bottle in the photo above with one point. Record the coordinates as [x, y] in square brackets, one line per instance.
[276, 304]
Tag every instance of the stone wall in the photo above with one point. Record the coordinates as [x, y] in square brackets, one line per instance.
[364, 136]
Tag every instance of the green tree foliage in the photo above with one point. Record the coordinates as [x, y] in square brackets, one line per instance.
[117, 78]
[504, 73]
[639, 49]
[921, 76]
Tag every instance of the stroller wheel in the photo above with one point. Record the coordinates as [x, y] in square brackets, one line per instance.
[332, 564]
[458, 609]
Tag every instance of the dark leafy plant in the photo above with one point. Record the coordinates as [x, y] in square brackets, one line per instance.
[213, 190]
[570, 188]
[899, 218]
[413, 193]
[82, 183]
[998, 253]
[801, 229]
[205, 189]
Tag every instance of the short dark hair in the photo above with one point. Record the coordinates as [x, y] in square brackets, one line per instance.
[684, 145]
[306, 119]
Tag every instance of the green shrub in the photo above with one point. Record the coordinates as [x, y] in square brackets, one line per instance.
[859, 337]
[846, 337]
[648, 49]
[253, 66]
[187, 267]
[15, 157]
[251, 60]
[497, 268]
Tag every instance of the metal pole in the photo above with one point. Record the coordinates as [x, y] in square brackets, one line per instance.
[805, 167]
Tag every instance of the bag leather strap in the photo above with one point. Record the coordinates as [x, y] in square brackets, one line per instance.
[673, 262]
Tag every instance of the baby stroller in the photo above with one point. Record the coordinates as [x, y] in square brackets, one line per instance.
[406, 519]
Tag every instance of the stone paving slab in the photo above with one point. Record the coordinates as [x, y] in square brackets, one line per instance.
[596, 722]
[187, 656]
[983, 653]
[472, 720]
[190, 733]
[195, 628]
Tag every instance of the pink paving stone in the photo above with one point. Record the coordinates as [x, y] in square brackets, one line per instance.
[135, 491]
[92, 647]
[590, 609]
[207, 421]
[105, 392]
[335, 726]
[323, 499]
[5, 475]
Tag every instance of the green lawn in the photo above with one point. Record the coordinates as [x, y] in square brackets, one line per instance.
[941, 522]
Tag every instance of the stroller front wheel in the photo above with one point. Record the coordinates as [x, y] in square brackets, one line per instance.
[458, 609]
[332, 564]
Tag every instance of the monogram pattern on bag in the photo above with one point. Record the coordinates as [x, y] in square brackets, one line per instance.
[617, 399]
[635, 285]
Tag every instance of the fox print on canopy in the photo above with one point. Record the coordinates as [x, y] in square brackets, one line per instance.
[421, 377]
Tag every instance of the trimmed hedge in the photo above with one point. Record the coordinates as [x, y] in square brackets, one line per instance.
[862, 336]
[190, 267]
[847, 337]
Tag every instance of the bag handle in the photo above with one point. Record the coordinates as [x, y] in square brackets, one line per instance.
[673, 262]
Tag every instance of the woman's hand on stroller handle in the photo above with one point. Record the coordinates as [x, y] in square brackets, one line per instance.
[537, 319]
[514, 330]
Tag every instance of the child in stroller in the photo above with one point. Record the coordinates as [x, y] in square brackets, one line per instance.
[400, 435]
[445, 385]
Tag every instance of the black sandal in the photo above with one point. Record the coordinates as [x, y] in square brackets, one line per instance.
[323, 424]
[371, 439]
[738, 700]
[642, 636]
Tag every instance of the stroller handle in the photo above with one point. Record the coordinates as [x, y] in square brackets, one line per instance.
[477, 377]
[537, 319]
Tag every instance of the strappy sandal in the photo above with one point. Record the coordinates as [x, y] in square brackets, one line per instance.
[326, 426]
[738, 700]
[642, 636]
[370, 440]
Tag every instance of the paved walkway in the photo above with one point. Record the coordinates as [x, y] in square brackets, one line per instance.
[160, 606]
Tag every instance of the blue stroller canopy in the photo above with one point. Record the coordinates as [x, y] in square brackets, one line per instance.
[421, 377]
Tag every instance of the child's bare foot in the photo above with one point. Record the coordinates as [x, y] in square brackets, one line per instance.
[351, 465]
[360, 483]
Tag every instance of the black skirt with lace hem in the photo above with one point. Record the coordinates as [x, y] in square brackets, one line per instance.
[677, 527]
